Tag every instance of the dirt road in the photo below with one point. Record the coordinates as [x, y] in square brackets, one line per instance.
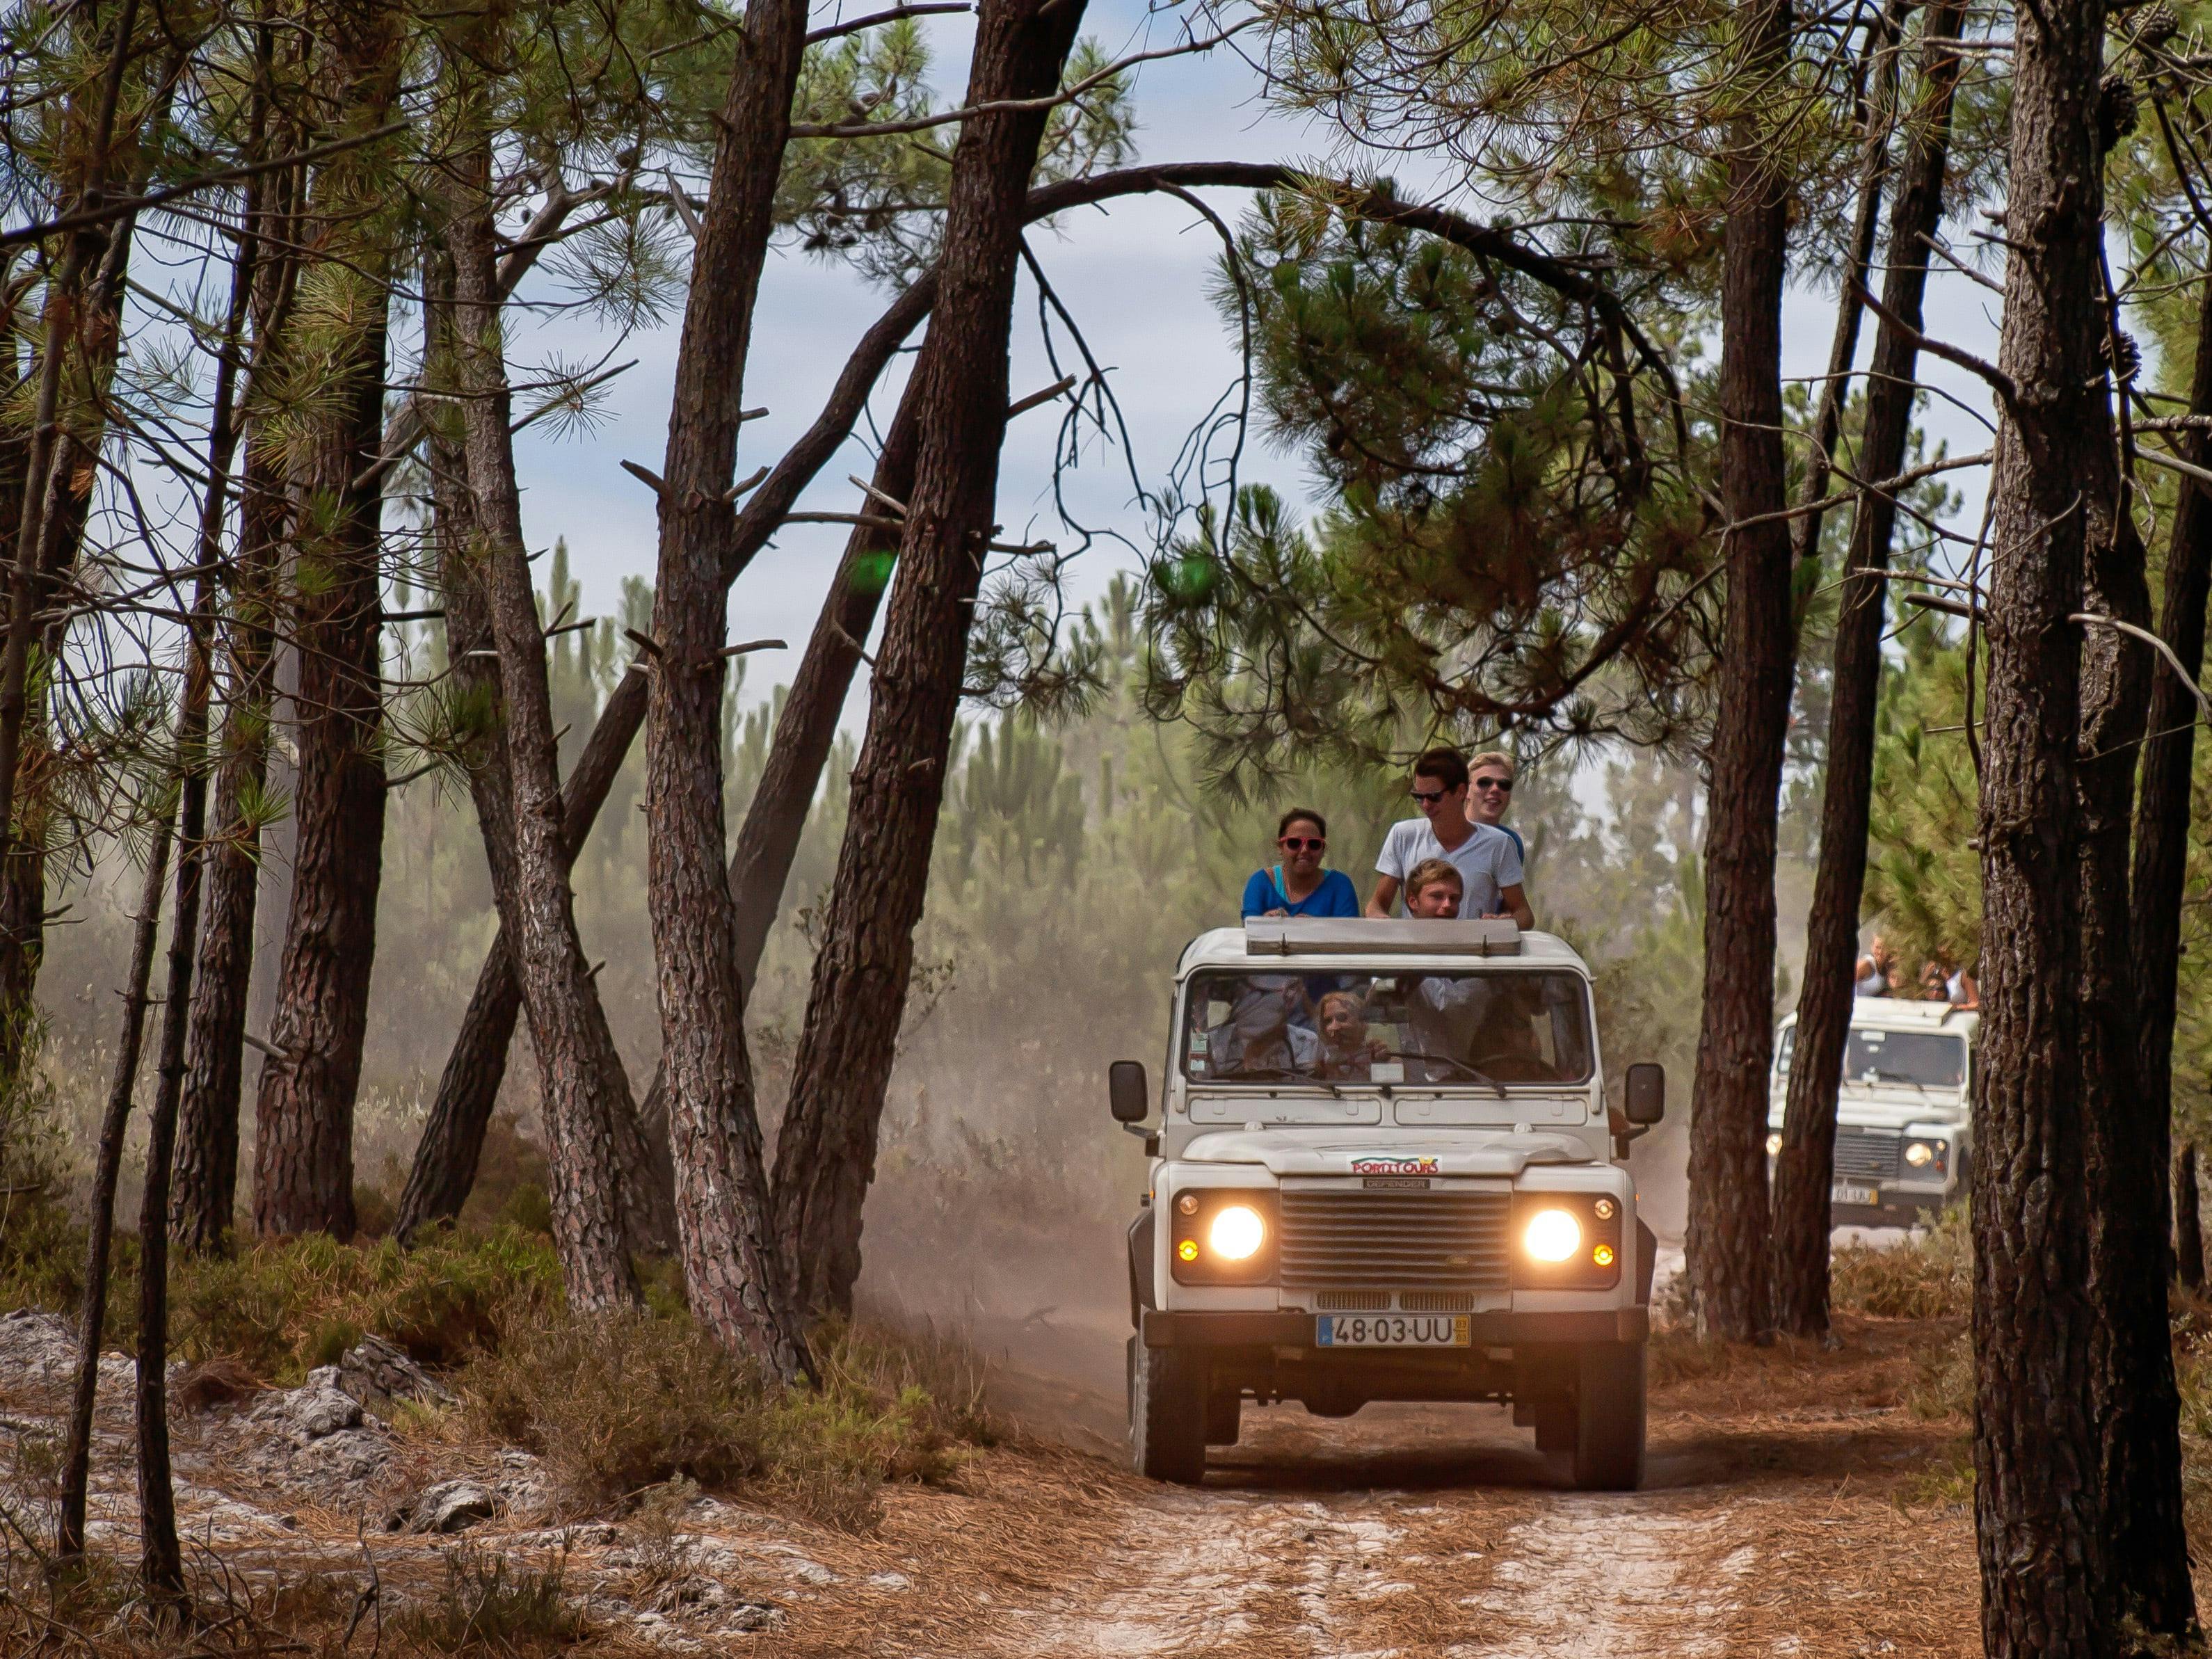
[1797, 1505]
[1800, 1502]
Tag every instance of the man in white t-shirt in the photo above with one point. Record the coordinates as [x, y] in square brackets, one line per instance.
[1485, 856]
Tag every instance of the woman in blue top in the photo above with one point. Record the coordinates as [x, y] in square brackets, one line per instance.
[1298, 886]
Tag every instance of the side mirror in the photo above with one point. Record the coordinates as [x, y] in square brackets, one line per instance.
[1646, 1094]
[1128, 1095]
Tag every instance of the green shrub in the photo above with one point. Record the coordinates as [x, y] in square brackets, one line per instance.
[283, 1308]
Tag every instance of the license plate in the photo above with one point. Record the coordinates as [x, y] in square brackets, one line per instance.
[1843, 1192]
[1391, 1331]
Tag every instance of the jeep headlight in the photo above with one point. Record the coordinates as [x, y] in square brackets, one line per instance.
[1551, 1235]
[1236, 1232]
[1926, 1154]
[1222, 1237]
[1774, 1144]
[1566, 1241]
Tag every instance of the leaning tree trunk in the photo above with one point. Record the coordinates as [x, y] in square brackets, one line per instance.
[769, 839]
[99, 1232]
[1728, 1231]
[1806, 1166]
[736, 1286]
[826, 1153]
[445, 1165]
[2038, 1521]
[582, 1089]
[446, 1158]
[303, 1117]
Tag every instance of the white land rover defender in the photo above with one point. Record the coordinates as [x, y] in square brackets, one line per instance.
[1384, 1169]
[1904, 1115]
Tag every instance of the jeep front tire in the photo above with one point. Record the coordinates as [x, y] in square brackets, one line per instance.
[1167, 1413]
[1609, 1417]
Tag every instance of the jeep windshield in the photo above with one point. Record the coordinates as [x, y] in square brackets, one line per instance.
[1924, 1059]
[1471, 1028]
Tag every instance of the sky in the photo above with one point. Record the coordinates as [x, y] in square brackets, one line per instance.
[1136, 276]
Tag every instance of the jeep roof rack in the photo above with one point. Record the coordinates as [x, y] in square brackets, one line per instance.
[1299, 936]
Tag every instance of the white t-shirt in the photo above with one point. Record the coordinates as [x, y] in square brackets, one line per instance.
[1487, 860]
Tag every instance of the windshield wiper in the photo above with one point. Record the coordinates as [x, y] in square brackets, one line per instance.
[1876, 1075]
[1473, 1075]
[1272, 1075]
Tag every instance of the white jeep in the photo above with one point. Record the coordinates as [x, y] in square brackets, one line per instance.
[1904, 1114]
[1384, 1169]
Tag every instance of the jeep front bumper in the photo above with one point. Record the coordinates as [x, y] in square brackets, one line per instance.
[1238, 1328]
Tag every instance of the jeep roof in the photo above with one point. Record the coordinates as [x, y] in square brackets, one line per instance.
[1383, 946]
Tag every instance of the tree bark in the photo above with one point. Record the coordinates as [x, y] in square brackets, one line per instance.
[2188, 1223]
[769, 839]
[99, 1232]
[2135, 1399]
[303, 1156]
[825, 1155]
[1727, 1243]
[736, 1287]
[203, 1195]
[582, 1089]
[2037, 1450]
[1877, 120]
[444, 1167]
[1807, 1167]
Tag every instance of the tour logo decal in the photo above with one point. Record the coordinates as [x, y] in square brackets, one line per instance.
[1379, 1165]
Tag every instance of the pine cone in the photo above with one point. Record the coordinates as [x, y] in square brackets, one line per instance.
[2131, 354]
[2157, 26]
[2117, 106]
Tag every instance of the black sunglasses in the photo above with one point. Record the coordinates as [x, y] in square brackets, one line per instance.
[1301, 844]
[1428, 796]
[1502, 785]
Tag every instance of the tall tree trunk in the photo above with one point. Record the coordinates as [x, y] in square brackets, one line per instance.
[204, 1194]
[99, 1232]
[1806, 1166]
[2135, 1400]
[162, 1567]
[2036, 1443]
[1727, 1223]
[826, 1154]
[736, 1287]
[303, 1153]
[581, 1084]
[2154, 1576]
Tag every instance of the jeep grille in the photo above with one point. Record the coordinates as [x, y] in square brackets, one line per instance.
[1451, 1241]
[1863, 1156]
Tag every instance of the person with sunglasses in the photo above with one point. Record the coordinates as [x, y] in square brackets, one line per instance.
[1487, 858]
[1490, 792]
[1299, 886]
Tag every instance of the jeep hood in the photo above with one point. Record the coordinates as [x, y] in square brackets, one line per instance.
[1291, 1152]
